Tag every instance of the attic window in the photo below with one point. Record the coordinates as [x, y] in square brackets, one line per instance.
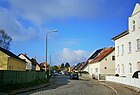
[133, 25]
[113, 58]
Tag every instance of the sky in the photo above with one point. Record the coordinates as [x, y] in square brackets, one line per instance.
[83, 27]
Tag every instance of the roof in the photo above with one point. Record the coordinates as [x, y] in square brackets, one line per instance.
[95, 54]
[136, 9]
[72, 68]
[44, 63]
[103, 54]
[25, 56]
[10, 54]
[83, 65]
[120, 35]
[33, 60]
[78, 66]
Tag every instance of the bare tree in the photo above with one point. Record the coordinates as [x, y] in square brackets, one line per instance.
[5, 40]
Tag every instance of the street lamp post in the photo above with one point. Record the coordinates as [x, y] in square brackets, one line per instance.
[47, 46]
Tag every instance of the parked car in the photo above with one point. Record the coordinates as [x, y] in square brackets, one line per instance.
[56, 73]
[74, 76]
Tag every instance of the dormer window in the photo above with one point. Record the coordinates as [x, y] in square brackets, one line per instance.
[133, 25]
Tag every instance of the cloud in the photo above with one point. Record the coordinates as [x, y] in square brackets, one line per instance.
[73, 56]
[14, 13]
[41, 10]
[14, 28]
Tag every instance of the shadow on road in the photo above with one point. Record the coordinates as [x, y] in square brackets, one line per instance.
[55, 82]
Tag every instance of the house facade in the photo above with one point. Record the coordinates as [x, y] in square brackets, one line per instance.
[9, 61]
[127, 46]
[28, 61]
[35, 65]
[84, 67]
[103, 64]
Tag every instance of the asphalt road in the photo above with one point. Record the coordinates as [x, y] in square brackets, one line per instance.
[65, 86]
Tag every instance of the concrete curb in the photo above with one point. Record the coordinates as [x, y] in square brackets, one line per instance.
[131, 88]
[30, 88]
[128, 87]
[27, 89]
[109, 87]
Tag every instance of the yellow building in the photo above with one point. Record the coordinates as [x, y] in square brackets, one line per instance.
[9, 61]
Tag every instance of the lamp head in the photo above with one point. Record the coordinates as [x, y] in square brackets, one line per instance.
[56, 30]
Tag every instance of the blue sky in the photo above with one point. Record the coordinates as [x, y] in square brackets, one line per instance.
[84, 26]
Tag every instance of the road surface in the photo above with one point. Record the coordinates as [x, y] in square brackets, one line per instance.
[65, 86]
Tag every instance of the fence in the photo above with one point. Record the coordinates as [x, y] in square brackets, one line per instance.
[128, 81]
[7, 77]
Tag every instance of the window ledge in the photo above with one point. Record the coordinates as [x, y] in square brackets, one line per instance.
[129, 53]
[137, 50]
[122, 54]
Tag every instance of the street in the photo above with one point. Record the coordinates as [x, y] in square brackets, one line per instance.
[65, 86]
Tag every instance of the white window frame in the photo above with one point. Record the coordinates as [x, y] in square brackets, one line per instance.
[133, 26]
[122, 49]
[118, 50]
[129, 47]
[130, 68]
[118, 68]
[122, 70]
[138, 44]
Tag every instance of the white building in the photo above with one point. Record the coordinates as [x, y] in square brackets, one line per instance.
[103, 63]
[127, 46]
[28, 60]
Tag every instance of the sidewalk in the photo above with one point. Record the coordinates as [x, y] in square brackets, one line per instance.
[13, 92]
[117, 87]
[120, 88]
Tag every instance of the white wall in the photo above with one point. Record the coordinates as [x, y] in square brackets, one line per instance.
[86, 68]
[128, 81]
[123, 60]
[92, 69]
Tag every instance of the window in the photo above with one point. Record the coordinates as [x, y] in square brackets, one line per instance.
[138, 44]
[118, 68]
[122, 69]
[10, 67]
[138, 64]
[91, 70]
[118, 50]
[113, 58]
[122, 49]
[133, 25]
[96, 69]
[130, 68]
[129, 47]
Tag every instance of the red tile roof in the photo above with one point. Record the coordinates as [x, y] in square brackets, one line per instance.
[83, 65]
[103, 54]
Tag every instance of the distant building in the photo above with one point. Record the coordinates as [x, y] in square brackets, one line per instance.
[44, 66]
[9, 61]
[84, 67]
[127, 46]
[103, 63]
[35, 65]
[28, 61]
